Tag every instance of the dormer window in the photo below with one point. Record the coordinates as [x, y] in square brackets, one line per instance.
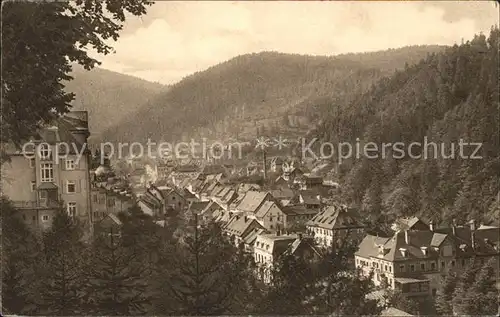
[404, 252]
[424, 250]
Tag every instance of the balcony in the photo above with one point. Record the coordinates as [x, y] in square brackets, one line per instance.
[27, 204]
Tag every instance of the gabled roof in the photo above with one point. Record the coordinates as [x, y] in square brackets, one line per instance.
[336, 217]
[310, 197]
[264, 209]
[411, 223]
[198, 206]
[238, 225]
[252, 201]
[428, 240]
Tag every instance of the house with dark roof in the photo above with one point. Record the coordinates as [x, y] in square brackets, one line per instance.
[269, 247]
[239, 226]
[334, 221]
[52, 172]
[414, 260]
[157, 201]
[210, 207]
[298, 215]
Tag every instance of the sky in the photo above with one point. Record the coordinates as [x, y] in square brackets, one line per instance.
[176, 39]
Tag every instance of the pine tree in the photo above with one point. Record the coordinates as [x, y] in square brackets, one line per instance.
[445, 293]
[343, 288]
[482, 298]
[202, 275]
[461, 296]
[293, 286]
[117, 283]
[63, 268]
[19, 255]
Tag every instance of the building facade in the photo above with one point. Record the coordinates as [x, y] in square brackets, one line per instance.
[52, 172]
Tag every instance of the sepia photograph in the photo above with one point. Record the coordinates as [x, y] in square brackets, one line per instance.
[253, 158]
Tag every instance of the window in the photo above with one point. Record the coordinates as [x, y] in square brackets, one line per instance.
[111, 202]
[443, 265]
[44, 150]
[32, 162]
[71, 187]
[390, 268]
[402, 268]
[47, 172]
[433, 266]
[422, 266]
[463, 262]
[70, 164]
[453, 263]
[385, 267]
[412, 268]
[45, 218]
[72, 209]
[94, 198]
[33, 186]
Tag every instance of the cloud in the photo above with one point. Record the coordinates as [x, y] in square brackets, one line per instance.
[178, 38]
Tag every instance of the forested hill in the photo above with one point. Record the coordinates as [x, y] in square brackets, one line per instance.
[447, 97]
[109, 96]
[254, 92]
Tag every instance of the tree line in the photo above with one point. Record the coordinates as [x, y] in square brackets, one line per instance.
[183, 268]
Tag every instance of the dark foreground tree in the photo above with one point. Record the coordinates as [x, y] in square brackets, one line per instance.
[204, 274]
[343, 288]
[19, 252]
[63, 268]
[40, 40]
[117, 282]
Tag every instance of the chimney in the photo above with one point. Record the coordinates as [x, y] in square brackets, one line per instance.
[407, 237]
[246, 218]
[453, 226]
[472, 225]
[431, 225]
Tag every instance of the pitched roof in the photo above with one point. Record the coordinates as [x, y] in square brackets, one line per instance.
[336, 217]
[252, 201]
[198, 206]
[428, 240]
[238, 225]
[310, 197]
[292, 210]
[266, 206]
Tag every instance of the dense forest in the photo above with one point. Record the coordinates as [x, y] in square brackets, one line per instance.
[446, 97]
[259, 90]
[108, 96]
